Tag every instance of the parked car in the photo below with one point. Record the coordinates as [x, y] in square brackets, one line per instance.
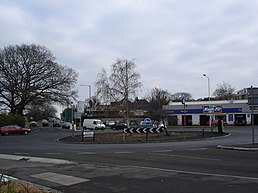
[118, 125]
[67, 125]
[56, 123]
[110, 123]
[14, 129]
[44, 123]
[33, 124]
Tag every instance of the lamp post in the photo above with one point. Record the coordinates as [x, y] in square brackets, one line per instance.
[72, 119]
[209, 92]
[183, 102]
[89, 91]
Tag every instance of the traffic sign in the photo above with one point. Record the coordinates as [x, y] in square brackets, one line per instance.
[147, 121]
[252, 90]
[252, 93]
[144, 129]
[252, 101]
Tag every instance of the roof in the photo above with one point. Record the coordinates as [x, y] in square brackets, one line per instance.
[220, 102]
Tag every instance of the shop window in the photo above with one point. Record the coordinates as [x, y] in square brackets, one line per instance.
[230, 117]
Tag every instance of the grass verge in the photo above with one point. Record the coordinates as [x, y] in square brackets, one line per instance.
[14, 186]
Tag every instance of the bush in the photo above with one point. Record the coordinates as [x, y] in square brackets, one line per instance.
[12, 119]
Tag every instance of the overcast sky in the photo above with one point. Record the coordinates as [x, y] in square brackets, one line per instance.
[173, 42]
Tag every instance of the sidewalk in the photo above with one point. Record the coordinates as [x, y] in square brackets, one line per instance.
[241, 147]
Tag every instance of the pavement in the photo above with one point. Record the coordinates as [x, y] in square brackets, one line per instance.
[241, 147]
[5, 178]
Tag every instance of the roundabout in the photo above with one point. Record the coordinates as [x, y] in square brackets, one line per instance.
[120, 137]
[111, 163]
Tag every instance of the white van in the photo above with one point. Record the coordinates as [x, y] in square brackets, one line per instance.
[93, 124]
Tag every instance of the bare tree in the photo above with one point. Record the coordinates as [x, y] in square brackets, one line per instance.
[29, 74]
[181, 95]
[43, 111]
[242, 94]
[157, 99]
[120, 85]
[224, 91]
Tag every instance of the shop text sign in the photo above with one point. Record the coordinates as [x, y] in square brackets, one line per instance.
[212, 109]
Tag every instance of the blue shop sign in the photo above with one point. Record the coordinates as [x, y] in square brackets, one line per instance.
[213, 109]
[232, 110]
[201, 111]
[187, 111]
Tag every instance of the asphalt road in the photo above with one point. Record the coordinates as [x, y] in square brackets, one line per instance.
[192, 166]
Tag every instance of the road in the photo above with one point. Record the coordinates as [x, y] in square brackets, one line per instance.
[192, 166]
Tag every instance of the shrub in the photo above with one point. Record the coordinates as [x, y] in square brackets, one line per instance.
[11, 119]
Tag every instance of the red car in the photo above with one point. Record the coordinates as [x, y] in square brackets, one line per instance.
[14, 129]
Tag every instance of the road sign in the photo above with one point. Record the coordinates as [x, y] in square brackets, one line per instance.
[77, 115]
[252, 96]
[144, 129]
[88, 134]
[147, 121]
[252, 101]
[252, 90]
[80, 106]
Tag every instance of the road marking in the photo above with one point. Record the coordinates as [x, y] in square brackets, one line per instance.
[20, 153]
[59, 178]
[162, 151]
[86, 153]
[198, 149]
[35, 159]
[183, 156]
[196, 173]
[53, 153]
[123, 152]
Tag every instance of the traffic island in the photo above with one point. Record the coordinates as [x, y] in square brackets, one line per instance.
[241, 147]
[141, 137]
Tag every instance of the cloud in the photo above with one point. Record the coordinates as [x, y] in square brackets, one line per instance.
[173, 42]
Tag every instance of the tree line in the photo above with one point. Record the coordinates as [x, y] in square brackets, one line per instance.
[31, 81]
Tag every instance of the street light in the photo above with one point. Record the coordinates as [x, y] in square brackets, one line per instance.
[209, 92]
[89, 92]
[72, 119]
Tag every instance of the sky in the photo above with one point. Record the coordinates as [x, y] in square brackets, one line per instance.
[172, 42]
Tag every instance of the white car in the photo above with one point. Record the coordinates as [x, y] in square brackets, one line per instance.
[110, 123]
[33, 124]
[44, 123]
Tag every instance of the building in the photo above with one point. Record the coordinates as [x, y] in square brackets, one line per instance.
[138, 109]
[233, 112]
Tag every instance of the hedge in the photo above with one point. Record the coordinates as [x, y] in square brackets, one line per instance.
[11, 119]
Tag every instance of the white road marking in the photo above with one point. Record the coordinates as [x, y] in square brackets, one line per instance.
[182, 156]
[21, 153]
[86, 153]
[196, 173]
[35, 159]
[198, 149]
[59, 178]
[123, 152]
[53, 153]
[162, 151]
